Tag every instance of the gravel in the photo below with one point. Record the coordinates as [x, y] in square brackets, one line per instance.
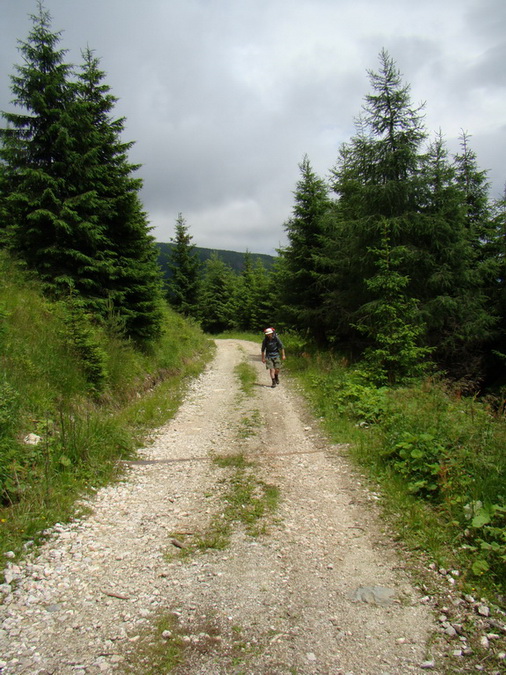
[324, 590]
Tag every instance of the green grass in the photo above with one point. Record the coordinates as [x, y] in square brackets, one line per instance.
[438, 460]
[241, 335]
[246, 501]
[89, 397]
[168, 645]
[247, 376]
[159, 649]
[249, 424]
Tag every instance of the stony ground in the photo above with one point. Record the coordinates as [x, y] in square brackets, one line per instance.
[321, 590]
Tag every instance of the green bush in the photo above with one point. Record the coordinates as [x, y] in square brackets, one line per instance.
[487, 539]
[418, 458]
[352, 396]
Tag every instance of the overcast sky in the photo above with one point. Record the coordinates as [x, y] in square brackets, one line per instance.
[223, 98]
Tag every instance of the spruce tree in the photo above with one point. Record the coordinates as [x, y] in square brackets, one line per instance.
[445, 274]
[376, 178]
[245, 294]
[495, 287]
[475, 188]
[45, 223]
[300, 292]
[129, 272]
[392, 319]
[384, 179]
[253, 302]
[183, 286]
[217, 302]
[71, 205]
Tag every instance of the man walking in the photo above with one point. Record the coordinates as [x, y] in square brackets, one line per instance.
[273, 352]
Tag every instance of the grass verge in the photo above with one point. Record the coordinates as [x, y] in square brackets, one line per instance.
[437, 458]
[74, 399]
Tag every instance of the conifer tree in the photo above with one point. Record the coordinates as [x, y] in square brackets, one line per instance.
[392, 320]
[481, 228]
[253, 302]
[245, 294]
[72, 206]
[495, 288]
[383, 178]
[128, 268]
[376, 178]
[301, 295]
[217, 303]
[475, 188]
[184, 283]
[45, 226]
[448, 282]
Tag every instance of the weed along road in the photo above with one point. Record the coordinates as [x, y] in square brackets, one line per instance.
[241, 541]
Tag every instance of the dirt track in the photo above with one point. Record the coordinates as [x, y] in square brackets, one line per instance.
[289, 601]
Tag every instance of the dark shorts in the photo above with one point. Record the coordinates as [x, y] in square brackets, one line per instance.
[273, 362]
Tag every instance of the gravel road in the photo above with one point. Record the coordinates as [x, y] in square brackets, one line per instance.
[323, 590]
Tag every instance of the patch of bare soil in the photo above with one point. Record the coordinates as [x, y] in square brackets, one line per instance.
[323, 590]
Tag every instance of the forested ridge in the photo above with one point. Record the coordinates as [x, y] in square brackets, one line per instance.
[234, 259]
[390, 292]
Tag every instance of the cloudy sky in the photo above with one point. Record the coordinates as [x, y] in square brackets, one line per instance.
[223, 98]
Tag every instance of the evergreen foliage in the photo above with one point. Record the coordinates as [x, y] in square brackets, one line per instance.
[301, 294]
[495, 286]
[69, 203]
[42, 217]
[253, 296]
[217, 304]
[234, 259]
[391, 319]
[184, 282]
[399, 260]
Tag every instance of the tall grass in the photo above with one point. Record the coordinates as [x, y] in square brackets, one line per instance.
[439, 459]
[74, 398]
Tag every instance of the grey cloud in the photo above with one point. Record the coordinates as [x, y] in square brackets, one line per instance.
[223, 98]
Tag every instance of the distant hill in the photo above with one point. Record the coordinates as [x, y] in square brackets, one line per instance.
[232, 258]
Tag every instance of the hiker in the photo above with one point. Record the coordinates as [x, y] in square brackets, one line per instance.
[273, 352]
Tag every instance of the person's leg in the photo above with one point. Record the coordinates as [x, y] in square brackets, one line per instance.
[269, 364]
[277, 367]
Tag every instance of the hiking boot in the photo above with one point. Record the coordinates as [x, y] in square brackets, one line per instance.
[273, 384]
[276, 378]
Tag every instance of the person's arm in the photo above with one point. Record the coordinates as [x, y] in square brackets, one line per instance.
[281, 348]
[263, 350]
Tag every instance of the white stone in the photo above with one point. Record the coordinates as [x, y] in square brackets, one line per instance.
[32, 439]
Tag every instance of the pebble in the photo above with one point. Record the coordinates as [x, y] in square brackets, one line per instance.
[92, 589]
